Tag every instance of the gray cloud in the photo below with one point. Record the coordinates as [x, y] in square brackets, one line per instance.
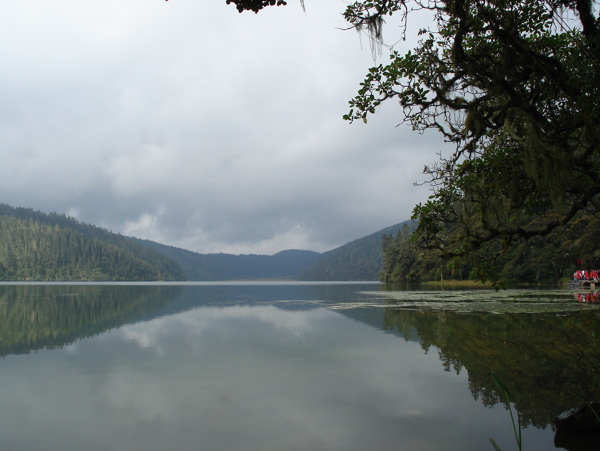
[190, 124]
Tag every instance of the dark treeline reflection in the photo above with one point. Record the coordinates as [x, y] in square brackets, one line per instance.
[50, 316]
[549, 362]
[34, 317]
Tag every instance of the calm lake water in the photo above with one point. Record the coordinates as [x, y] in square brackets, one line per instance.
[287, 366]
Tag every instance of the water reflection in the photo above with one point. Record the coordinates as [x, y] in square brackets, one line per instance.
[52, 316]
[236, 377]
[589, 296]
[546, 360]
[299, 366]
[37, 316]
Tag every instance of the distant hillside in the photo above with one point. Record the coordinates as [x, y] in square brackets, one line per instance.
[53, 247]
[361, 259]
[204, 267]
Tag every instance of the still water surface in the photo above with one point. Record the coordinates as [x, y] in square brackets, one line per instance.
[280, 366]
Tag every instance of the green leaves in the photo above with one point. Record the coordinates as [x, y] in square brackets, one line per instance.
[400, 78]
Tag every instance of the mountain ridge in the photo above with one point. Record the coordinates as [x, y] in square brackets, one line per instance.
[360, 259]
[357, 260]
[54, 247]
[285, 264]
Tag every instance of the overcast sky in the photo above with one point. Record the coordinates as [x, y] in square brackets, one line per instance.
[187, 123]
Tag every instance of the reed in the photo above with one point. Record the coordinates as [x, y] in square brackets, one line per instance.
[508, 397]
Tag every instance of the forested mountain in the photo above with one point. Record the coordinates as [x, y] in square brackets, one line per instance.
[204, 267]
[360, 259]
[52, 247]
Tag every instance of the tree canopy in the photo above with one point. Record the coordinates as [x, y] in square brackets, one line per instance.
[514, 85]
[51, 247]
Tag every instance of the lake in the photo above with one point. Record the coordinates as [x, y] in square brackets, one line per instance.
[289, 366]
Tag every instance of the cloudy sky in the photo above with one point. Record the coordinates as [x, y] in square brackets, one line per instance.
[190, 124]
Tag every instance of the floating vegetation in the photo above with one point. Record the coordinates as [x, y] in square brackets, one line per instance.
[470, 301]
